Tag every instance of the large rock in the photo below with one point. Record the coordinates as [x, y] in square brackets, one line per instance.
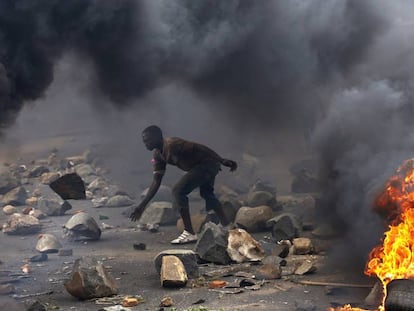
[53, 206]
[15, 197]
[253, 219]
[173, 273]
[8, 182]
[285, 226]
[69, 186]
[89, 280]
[187, 257]
[161, 213]
[243, 247]
[48, 243]
[259, 198]
[9, 210]
[212, 244]
[19, 224]
[82, 225]
[230, 207]
[261, 185]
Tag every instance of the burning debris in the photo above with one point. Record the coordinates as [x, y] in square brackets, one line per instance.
[392, 261]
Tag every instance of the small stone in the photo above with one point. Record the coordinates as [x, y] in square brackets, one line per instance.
[140, 246]
[305, 267]
[27, 210]
[302, 246]
[166, 302]
[9, 209]
[32, 201]
[37, 213]
[39, 258]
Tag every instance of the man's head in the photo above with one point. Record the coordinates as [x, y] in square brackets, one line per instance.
[152, 137]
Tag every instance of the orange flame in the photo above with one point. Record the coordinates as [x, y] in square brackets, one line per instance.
[394, 259]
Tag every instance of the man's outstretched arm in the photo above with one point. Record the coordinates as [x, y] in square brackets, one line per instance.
[155, 185]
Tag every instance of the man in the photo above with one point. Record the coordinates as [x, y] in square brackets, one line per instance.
[201, 164]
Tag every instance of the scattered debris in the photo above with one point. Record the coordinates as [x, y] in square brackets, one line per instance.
[167, 302]
[217, 284]
[228, 270]
[130, 301]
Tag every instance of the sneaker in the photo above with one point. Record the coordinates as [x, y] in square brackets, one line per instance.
[184, 238]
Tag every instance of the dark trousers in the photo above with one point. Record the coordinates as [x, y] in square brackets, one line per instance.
[203, 177]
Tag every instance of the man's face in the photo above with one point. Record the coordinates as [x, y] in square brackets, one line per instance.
[150, 141]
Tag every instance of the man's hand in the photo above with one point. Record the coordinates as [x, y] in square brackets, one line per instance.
[137, 212]
[230, 163]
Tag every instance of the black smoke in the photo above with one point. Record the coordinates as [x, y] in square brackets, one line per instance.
[249, 55]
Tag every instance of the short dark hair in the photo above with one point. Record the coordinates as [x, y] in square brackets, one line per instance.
[153, 130]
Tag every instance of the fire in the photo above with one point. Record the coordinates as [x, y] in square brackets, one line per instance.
[394, 258]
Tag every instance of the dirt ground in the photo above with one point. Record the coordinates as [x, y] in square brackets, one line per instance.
[135, 272]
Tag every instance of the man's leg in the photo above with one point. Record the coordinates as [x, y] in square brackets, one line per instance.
[212, 203]
[184, 186]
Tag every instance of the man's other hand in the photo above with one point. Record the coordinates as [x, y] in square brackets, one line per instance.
[230, 163]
